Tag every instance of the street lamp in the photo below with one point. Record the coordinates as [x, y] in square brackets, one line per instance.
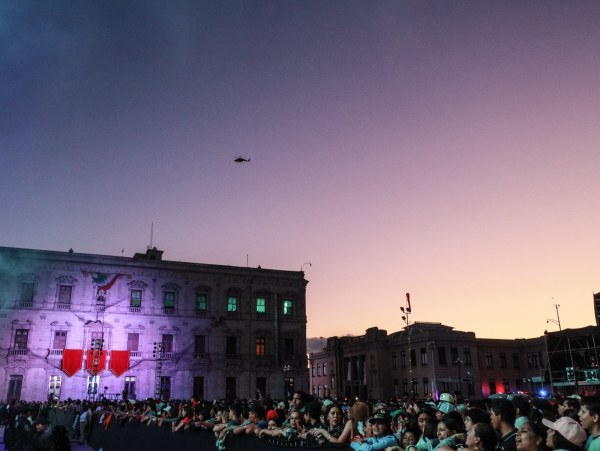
[459, 363]
[431, 346]
[286, 370]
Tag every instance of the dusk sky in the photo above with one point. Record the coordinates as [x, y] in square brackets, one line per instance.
[450, 149]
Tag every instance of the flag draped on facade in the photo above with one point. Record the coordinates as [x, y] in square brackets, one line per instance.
[104, 281]
[95, 361]
[119, 362]
[72, 360]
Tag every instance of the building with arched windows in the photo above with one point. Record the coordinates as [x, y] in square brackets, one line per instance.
[86, 326]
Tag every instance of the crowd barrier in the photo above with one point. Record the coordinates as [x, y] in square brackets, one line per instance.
[135, 436]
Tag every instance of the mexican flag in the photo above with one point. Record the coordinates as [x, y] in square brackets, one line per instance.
[104, 281]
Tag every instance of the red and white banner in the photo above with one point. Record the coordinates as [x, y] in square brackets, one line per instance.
[119, 362]
[95, 361]
[72, 360]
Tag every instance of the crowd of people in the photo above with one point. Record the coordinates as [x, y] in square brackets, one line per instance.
[504, 423]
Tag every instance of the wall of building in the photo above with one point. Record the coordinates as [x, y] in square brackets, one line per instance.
[248, 344]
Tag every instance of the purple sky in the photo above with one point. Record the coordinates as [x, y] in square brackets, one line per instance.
[446, 149]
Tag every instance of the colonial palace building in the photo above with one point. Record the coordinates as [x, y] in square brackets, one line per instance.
[86, 326]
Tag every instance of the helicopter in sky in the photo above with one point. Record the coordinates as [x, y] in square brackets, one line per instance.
[242, 160]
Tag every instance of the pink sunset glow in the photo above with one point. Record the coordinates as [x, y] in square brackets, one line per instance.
[446, 149]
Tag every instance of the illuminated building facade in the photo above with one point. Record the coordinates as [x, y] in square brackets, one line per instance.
[85, 326]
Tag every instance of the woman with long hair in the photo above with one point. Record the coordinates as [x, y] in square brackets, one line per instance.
[531, 436]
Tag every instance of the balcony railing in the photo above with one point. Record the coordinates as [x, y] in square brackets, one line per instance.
[18, 351]
[200, 355]
[25, 304]
[55, 352]
[63, 306]
[135, 354]
[201, 313]
[168, 311]
[133, 309]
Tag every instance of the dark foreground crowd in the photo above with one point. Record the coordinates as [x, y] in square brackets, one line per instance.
[505, 423]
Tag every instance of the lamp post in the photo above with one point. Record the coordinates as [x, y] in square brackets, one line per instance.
[431, 346]
[459, 363]
[286, 371]
[406, 318]
[557, 320]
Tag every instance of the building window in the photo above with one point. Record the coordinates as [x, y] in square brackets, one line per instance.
[60, 339]
[424, 359]
[167, 342]
[454, 355]
[133, 342]
[467, 356]
[413, 357]
[532, 360]
[261, 305]
[135, 299]
[54, 385]
[492, 386]
[540, 359]
[314, 370]
[199, 387]
[129, 388]
[288, 307]
[261, 346]
[14, 386]
[489, 362]
[324, 369]
[318, 369]
[405, 386]
[425, 385]
[503, 360]
[442, 355]
[201, 302]
[199, 345]
[289, 348]
[27, 292]
[169, 300]
[231, 346]
[403, 359]
[515, 357]
[394, 360]
[415, 387]
[64, 294]
[21, 338]
[232, 303]
[506, 385]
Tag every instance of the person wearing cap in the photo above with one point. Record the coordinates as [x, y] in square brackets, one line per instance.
[382, 434]
[589, 416]
[564, 434]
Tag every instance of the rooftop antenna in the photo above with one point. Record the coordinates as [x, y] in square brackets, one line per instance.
[151, 234]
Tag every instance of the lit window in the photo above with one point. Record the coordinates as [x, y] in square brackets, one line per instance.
[169, 300]
[261, 346]
[136, 298]
[288, 307]
[201, 302]
[261, 305]
[232, 303]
